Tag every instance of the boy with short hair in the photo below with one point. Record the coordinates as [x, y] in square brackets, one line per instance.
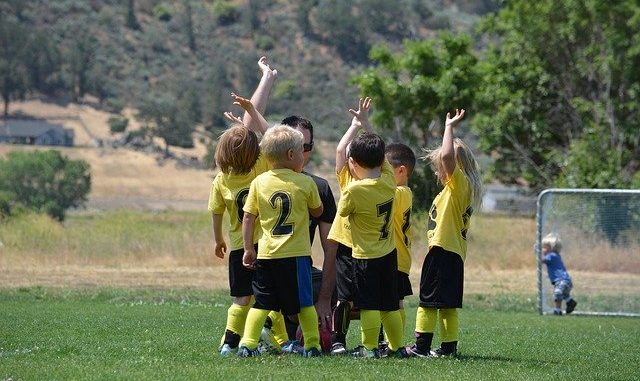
[558, 275]
[282, 198]
[403, 160]
[367, 192]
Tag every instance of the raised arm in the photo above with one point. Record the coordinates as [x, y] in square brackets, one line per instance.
[447, 152]
[261, 94]
[360, 120]
[259, 124]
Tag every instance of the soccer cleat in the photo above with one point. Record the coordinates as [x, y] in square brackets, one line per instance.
[226, 350]
[571, 305]
[246, 352]
[383, 348]
[313, 352]
[557, 312]
[361, 351]
[338, 349]
[401, 353]
[293, 346]
[440, 352]
[413, 351]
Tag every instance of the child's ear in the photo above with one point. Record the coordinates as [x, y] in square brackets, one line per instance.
[290, 154]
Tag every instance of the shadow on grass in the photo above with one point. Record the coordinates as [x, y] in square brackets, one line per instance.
[531, 361]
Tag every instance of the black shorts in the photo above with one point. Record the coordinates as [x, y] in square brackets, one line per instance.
[376, 283]
[404, 285]
[442, 279]
[345, 283]
[240, 277]
[283, 284]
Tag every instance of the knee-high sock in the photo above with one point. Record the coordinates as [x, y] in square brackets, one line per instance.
[392, 323]
[340, 324]
[449, 324]
[236, 318]
[426, 319]
[308, 319]
[370, 321]
[278, 327]
[253, 327]
[403, 317]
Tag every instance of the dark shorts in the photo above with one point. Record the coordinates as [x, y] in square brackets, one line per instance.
[240, 277]
[345, 283]
[442, 279]
[404, 285]
[283, 284]
[376, 283]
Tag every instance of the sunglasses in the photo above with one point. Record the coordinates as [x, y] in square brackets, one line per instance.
[307, 147]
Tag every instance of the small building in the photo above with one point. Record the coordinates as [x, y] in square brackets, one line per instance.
[35, 132]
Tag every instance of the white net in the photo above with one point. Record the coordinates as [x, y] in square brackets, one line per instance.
[600, 234]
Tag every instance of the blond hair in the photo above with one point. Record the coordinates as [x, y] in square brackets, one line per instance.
[277, 142]
[237, 150]
[468, 164]
[553, 241]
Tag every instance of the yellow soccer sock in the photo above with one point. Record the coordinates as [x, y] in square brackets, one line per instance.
[370, 327]
[309, 324]
[253, 328]
[392, 323]
[278, 328]
[236, 318]
[426, 319]
[403, 317]
[449, 324]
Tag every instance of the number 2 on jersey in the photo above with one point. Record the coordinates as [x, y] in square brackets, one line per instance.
[281, 228]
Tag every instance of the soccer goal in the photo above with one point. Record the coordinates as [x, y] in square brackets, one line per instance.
[600, 234]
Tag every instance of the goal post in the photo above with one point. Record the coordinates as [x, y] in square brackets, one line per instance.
[600, 234]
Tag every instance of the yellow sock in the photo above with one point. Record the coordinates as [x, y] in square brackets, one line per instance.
[253, 328]
[403, 317]
[393, 331]
[278, 328]
[236, 318]
[449, 324]
[309, 324]
[370, 328]
[426, 319]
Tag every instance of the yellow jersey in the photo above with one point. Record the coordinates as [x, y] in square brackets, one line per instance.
[402, 226]
[450, 214]
[281, 198]
[229, 192]
[368, 203]
[341, 228]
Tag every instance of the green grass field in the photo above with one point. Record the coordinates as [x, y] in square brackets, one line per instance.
[144, 334]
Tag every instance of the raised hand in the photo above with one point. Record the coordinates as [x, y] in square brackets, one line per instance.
[453, 122]
[361, 115]
[232, 118]
[263, 64]
[242, 102]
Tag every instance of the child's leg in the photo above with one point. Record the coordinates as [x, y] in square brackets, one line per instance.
[449, 329]
[278, 327]
[426, 319]
[392, 323]
[236, 319]
[370, 321]
[309, 324]
[253, 327]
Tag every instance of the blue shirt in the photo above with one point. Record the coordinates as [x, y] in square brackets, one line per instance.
[555, 267]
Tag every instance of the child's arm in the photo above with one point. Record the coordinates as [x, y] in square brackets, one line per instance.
[248, 223]
[261, 94]
[360, 120]
[447, 152]
[219, 246]
[259, 123]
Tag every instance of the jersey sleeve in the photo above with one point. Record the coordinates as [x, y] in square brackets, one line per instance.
[216, 201]
[345, 205]
[251, 205]
[314, 196]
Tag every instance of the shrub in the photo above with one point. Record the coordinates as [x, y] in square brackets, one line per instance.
[225, 12]
[118, 124]
[162, 12]
[265, 42]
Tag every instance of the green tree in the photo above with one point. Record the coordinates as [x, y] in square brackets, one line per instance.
[13, 70]
[44, 181]
[168, 119]
[560, 98]
[414, 89]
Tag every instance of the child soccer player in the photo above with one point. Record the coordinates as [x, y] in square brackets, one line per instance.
[442, 278]
[403, 160]
[367, 192]
[558, 275]
[238, 157]
[282, 198]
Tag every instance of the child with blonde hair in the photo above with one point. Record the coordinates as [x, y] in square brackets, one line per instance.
[558, 275]
[442, 278]
[280, 202]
